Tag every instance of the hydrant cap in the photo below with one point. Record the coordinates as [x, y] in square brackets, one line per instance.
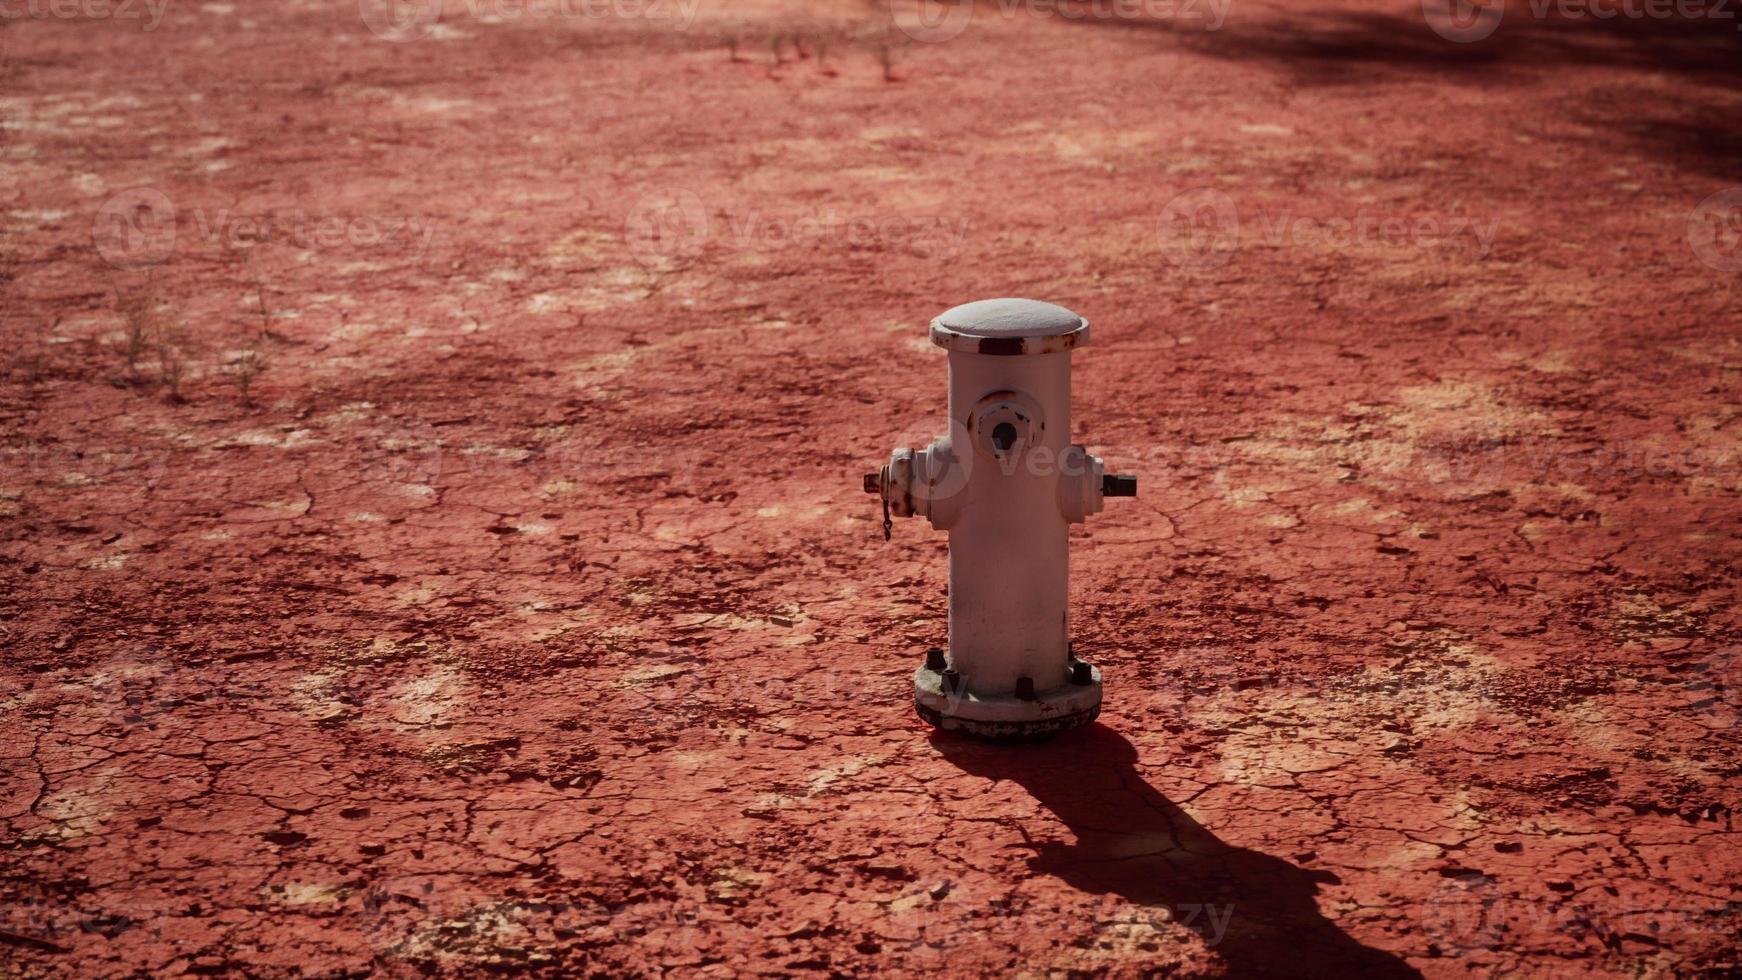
[1009, 326]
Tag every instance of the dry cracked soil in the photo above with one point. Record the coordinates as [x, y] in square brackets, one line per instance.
[431, 534]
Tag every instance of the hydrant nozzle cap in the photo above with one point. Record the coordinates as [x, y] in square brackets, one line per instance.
[1009, 326]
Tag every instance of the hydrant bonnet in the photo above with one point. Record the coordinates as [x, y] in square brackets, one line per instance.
[1009, 326]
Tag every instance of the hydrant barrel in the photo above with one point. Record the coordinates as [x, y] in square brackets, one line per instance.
[1009, 567]
[1006, 483]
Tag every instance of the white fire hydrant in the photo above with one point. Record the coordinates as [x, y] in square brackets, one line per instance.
[1006, 483]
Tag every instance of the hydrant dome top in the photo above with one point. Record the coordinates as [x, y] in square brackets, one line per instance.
[1009, 326]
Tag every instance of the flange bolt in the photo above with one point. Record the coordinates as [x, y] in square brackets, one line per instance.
[934, 660]
[1082, 674]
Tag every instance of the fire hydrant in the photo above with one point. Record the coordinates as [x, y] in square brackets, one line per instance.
[1006, 482]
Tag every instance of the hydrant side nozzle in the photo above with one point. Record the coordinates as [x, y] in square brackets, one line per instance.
[1118, 485]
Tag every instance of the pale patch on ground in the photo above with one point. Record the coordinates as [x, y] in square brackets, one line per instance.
[1640, 617]
[1241, 498]
[1470, 407]
[281, 439]
[1312, 449]
[1547, 362]
[1440, 688]
[603, 368]
[827, 776]
[781, 512]
[36, 219]
[584, 246]
[315, 696]
[301, 893]
[878, 175]
[434, 105]
[734, 882]
[289, 508]
[1265, 760]
[879, 134]
[1723, 351]
[653, 674]
[818, 783]
[430, 699]
[418, 596]
[1363, 510]
[78, 808]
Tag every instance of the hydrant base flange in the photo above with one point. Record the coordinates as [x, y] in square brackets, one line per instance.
[1049, 713]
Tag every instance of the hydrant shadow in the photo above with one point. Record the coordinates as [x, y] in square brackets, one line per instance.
[1254, 911]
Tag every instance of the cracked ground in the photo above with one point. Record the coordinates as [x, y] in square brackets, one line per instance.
[431, 535]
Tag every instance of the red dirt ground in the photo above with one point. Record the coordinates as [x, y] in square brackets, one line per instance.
[529, 614]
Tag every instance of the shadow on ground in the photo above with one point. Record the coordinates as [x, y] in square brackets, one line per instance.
[1254, 911]
[1700, 51]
